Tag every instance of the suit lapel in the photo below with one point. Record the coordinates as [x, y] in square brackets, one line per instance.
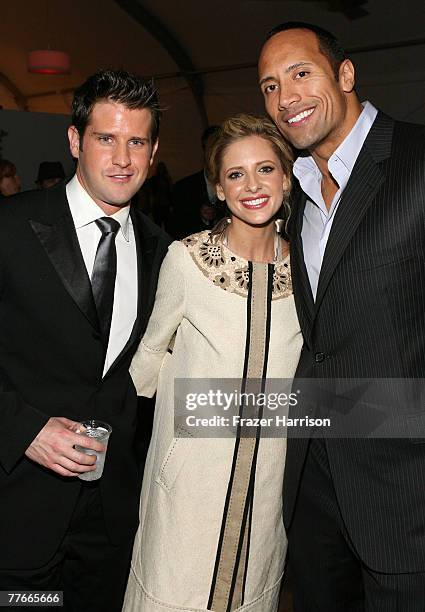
[59, 240]
[301, 283]
[55, 230]
[146, 244]
[365, 180]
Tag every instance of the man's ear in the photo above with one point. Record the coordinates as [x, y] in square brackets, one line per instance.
[347, 76]
[154, 150]
[220, 192]
[74, 141]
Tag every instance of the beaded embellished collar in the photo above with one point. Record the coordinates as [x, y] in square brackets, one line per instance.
[229, 271]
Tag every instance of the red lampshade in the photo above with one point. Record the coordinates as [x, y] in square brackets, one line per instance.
[47, 61]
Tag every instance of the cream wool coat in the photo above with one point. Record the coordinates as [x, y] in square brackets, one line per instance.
[202, 294]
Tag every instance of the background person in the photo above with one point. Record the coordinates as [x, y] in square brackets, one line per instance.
[10, 183]
[154, 198]
[189, 194]
[49, 174]
[353, 507]
[216, 291]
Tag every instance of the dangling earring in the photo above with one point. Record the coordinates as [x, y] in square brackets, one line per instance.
[278, 224]
[219, 230]
[287, 211]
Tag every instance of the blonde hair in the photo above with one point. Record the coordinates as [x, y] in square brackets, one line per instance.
[241, 126]
[234, 129]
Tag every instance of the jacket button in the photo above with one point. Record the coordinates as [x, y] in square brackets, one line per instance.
[319, 357]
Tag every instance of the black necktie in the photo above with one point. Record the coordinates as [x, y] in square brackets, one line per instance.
[104, 274]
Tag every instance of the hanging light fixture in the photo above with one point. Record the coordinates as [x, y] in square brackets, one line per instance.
[49, 61]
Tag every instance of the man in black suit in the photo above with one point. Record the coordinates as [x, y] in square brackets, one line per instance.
[189, 195]
[78, 274]
[353, 508]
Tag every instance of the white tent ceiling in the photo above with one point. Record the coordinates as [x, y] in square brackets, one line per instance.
[219, 40]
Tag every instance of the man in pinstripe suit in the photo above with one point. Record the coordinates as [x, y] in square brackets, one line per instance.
[354, 508]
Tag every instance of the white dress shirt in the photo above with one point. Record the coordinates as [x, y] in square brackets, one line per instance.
[317, 220]
[85, 212]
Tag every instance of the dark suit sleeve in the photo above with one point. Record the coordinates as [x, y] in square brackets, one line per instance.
[19, 425]
[19, 422]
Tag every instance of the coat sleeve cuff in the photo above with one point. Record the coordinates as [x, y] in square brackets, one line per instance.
[20, 423]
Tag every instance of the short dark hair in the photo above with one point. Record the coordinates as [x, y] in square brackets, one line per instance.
[209, 131]
[329, 45]
[120, 86]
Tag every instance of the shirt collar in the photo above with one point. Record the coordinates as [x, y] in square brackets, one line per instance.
[348, 150]
[84, 209]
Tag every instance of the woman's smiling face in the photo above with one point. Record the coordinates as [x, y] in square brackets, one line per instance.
[252, 181]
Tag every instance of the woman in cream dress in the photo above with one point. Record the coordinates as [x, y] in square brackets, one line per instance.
[211, 535]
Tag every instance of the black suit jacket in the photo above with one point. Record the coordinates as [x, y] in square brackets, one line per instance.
[368, 321]
[188, 195]
[51, 362]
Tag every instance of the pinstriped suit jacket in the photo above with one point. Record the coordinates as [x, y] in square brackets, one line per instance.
[368, 321]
